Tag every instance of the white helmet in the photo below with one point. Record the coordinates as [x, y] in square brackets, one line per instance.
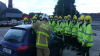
[45, 16]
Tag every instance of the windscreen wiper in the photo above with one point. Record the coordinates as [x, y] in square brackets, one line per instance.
[13, 40]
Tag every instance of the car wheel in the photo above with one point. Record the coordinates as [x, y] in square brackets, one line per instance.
[60, 52]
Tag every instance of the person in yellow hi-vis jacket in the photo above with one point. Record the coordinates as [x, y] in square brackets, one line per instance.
[40, 16]
[25, 20]
[59, 27]
[75, 33]
[66, 21]
[56, 24]
[80, 34]
[87, 41]
[68, 31]
[43, 34]
[34, 19]
[50, 22]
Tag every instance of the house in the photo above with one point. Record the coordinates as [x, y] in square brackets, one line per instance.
[2, 7]
[12, 13]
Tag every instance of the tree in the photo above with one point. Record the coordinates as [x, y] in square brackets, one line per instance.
[32, 13]
[24, 14]
[63, 8]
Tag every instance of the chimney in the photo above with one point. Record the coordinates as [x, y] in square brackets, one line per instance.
[10, 4]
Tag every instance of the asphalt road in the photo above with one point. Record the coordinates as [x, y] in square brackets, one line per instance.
[94, 50]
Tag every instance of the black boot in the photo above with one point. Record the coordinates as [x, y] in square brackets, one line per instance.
[67, 47]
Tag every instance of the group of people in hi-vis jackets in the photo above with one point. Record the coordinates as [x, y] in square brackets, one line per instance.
[77, 31]
[35, 18]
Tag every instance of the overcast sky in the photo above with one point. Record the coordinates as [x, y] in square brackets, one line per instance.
[47, 6]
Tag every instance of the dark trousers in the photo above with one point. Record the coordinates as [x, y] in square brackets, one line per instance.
[68, 40]
[74, 42]
[65, 40]
[79, 47]
[85, 51]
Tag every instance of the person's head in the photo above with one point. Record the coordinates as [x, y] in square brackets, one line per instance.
[81, 19]
[45, 17]
[25, 19]
[51, 18]
[40, 16]
[65, 18]
[75, 19]
[34, 18]
[88, 19]
[36, 15]
[56, 18]
[69, 17]
[60, 18]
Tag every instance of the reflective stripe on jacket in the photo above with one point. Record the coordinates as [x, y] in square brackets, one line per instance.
[68, 28]
[62, 25]
[38, 43]
[75, 29]
[43, 33]
[56, 27]
[81, 33]
[52, 25]
[88, 36]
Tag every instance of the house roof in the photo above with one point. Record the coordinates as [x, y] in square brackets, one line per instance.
[12, 10]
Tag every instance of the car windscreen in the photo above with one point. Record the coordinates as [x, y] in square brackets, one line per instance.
[15, 35]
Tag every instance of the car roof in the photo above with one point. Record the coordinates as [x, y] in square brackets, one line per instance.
[27, 27]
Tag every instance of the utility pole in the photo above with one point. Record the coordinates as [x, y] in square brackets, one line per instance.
[63, 8]
[56, 11]
[71, 10]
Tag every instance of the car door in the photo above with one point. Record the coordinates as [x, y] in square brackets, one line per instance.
[32, 42]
